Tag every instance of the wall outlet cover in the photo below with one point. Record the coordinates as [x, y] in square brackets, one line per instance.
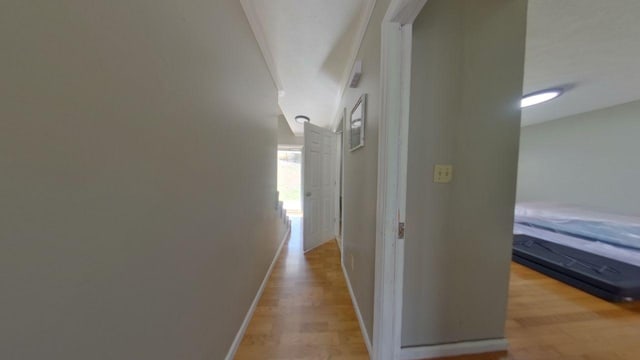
[443, 174]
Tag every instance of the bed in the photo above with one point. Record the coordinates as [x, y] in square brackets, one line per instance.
[593, 251]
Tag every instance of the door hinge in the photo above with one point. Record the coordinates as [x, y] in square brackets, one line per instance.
[400, 230]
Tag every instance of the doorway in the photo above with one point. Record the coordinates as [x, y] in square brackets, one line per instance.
[290, 180]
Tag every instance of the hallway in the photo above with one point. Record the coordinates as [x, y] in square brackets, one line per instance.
[305, 311]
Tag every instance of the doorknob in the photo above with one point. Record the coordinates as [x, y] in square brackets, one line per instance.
[307, 194]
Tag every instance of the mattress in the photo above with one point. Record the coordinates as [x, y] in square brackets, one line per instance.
[625, 255]
[618, 230]
[598, 275]
[595, 251]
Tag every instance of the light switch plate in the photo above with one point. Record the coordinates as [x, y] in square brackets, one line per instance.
[443, 174]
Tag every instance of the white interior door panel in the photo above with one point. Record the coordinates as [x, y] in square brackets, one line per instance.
[319, 185]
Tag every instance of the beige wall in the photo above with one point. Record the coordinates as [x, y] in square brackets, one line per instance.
[467, 75]
[589, 159]
[361, 173]
[137, 150]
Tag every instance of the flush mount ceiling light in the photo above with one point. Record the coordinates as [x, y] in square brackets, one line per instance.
[539, 97]
[301, 119]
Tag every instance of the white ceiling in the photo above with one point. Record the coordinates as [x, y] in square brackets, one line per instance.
[591, 46]
[310, 43]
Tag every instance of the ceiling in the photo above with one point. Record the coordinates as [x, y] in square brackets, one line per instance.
[310, 46]
[592, 47]
[589, 47]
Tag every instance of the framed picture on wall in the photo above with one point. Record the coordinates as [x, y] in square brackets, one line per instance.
[357, 124]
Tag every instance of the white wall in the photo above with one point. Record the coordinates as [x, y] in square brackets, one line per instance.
[467, 72]
[590, 159]
[286, 138]
[361, 173]
[137, 150]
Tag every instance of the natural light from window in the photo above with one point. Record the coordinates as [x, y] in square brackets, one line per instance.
[289, 180]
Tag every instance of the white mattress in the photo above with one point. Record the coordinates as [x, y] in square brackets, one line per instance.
[614, 236]
[618, 230]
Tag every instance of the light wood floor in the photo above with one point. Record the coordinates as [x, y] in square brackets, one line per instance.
[549, 320]
[566, 323]
[306, 313]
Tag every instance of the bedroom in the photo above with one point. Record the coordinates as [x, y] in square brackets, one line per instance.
[577, 217]
[579, 165]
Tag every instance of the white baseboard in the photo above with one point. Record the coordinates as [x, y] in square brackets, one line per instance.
[454, 349]
[363, 328]
[254, 304]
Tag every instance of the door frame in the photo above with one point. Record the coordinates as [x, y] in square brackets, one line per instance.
[395, 88]
[339, 178]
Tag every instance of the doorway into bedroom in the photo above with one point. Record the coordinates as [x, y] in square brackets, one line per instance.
[577, 198]
[290, 180]
[576, 245]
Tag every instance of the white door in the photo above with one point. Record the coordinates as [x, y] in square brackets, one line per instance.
[319, 185]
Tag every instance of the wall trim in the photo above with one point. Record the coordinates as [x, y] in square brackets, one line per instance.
[363, 328]
[247, 319]
[395, 89]
[454, 349]
[405, 11]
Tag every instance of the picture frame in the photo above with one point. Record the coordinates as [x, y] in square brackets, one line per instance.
[357, 123]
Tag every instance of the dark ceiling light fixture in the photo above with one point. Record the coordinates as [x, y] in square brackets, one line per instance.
[301, 119]
[540, 97]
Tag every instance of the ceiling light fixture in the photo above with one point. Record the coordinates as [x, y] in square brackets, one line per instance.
[301, 119]
[539, 97]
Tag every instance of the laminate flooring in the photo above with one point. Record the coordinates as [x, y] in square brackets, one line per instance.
[305, 311]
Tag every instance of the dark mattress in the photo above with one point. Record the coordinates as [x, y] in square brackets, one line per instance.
[603, 277]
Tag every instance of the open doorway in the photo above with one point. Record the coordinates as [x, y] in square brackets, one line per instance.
[580, 125]
[290, 180]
